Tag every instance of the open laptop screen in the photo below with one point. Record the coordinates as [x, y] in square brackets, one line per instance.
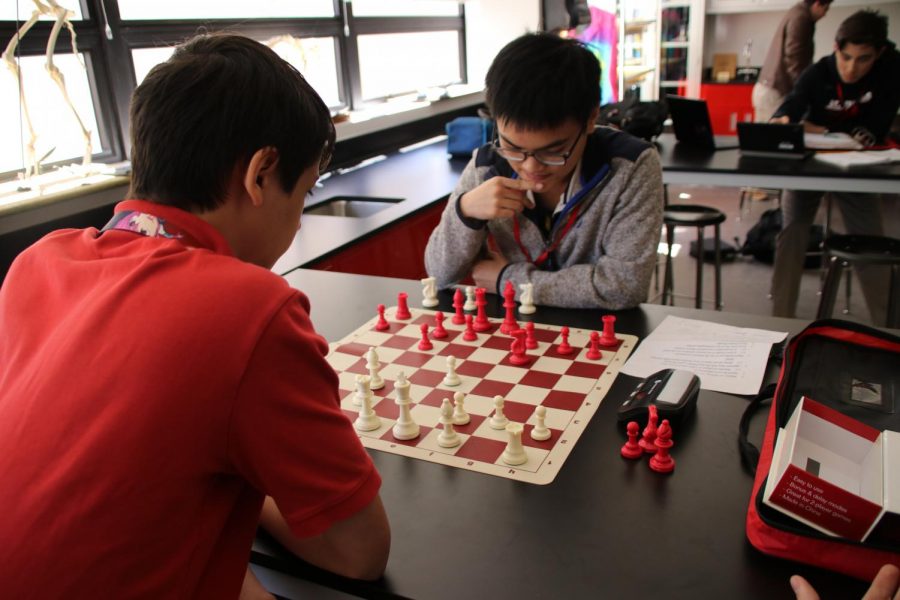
[690, 121]
[778, 140]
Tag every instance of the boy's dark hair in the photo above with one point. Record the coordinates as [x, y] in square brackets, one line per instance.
[541, 80]
[822, 2]
[209, 108]
[863, 27]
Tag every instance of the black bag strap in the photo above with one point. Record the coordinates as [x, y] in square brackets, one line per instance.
[749, 452]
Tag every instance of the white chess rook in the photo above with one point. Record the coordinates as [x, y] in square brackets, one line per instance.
[405, 428]
[375, 380]
[498, 419]
[363, 390]
[367, 420]
[514, 454]
[540, 432]
[447, 438]
[460, 416]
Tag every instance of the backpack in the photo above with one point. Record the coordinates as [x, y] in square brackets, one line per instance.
[760, 240]
[640, 119]
[466, 134]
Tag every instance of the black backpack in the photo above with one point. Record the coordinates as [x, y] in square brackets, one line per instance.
[640, 119]
[760, 241]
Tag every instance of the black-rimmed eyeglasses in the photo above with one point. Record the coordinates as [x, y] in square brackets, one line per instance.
[551, 159]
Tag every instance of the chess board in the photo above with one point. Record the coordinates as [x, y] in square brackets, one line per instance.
[569, 387]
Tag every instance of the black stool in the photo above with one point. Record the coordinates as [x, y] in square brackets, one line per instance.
[845, 250]
[692, 215]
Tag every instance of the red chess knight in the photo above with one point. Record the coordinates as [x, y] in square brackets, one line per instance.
[648, 441]
[517, 348]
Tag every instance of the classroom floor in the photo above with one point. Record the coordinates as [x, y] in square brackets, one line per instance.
[745, 281]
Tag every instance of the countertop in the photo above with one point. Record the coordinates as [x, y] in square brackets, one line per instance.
[420, 177]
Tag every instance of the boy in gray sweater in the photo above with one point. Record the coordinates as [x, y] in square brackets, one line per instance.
[554, 200]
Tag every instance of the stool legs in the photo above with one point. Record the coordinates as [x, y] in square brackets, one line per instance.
[668, 296]
[893, 313]
[830, 287]
[698, 301]
[718, 270]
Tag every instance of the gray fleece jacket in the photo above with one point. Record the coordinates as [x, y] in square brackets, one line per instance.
[607, 257]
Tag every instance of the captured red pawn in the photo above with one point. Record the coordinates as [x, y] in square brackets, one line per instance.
[632, 449]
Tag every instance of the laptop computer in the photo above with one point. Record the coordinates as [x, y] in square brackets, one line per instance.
[691, 122]
[772, 140]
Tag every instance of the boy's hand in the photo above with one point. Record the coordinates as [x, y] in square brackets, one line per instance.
[498, 197]
[486, 270]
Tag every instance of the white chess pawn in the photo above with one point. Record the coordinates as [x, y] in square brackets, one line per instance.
[540, 432]
[376, 382]
[526, 298]
[363, 390]
[405, 428]
[498, 419]
[514, 454]
[367, 420]
[451, 378]
[447, 438]
[470, 299]
[460, 416]
[429, 293]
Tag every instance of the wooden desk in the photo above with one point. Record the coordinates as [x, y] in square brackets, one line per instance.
[727, 168]
[605, 528]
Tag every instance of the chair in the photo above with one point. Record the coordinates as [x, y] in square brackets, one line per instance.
[692, 215]
[846, 250]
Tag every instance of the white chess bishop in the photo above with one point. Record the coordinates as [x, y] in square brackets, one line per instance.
[447, 438]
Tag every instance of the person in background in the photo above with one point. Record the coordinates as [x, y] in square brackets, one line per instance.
[572, 208]
[790, 53]
[855, 90]
[162, 391]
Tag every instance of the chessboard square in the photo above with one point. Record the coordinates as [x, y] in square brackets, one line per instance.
[583, 369]
[387, 355]
[491, 388]
[479, 405]
[489, 355]
[486, 431]
[579, 338]
[424, 318]
[547, 444]
[498, 342]
[412, 331]
[429, 416]
[579, 385]
[451, 335]
[473, 368]
[417, 392]
[549, 364]
[385, 391]
[563, 400]
[430, 442]
[391, 371]
[436, 398]
[358, 367]
[547, 336]
[389, 437]
[438, 363]
[353, 348]
[555, 418]
[386, 408]
[536, 458]
[457, 350]
[529, 394]
[480, 449]
[339, 361]
[401, 342]
[347, 380]
[470, 427]
[426, 377]
[465, 385]
[509, 374]
[540, 379]
[372, 339]
[412, 359]
[517, 411]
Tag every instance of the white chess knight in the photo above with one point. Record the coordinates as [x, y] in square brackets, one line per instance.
[526, 298]
[514, 454]
[429, 292]
[451, 378]
[367, 420]
[460, 416]
[405, 428]
[447, 438]
[376, 382]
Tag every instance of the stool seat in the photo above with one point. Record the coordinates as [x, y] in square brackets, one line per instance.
[846, 250]
[692, 215]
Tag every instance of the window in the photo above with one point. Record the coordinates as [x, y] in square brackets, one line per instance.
[354, 54]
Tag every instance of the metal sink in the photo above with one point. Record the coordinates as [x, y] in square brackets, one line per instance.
[351, 206]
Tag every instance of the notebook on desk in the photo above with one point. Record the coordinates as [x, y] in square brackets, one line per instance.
[772, 140]
[691, 123]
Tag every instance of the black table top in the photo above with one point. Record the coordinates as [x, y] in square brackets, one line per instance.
[606, 527]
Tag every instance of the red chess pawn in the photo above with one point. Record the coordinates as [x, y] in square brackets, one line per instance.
[439, 332]
[593, 352]
[481, 322]
[661, 462]
[458, 317]
[517, 348]
[632, 449]
[382, 323]
[469, 334]
[402, 308]
[564, 348]
[648, 441]
[509, 303]
[609, 332]
[425, 343]
[530, 341]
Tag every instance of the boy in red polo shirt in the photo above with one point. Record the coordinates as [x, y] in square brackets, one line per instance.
[158, 381]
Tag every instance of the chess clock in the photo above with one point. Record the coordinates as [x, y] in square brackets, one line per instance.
[673, 392]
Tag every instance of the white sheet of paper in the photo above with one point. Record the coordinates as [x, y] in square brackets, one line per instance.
[726, 358]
